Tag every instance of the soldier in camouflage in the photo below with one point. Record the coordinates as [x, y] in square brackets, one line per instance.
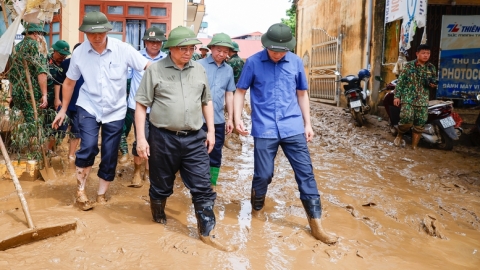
[412, 93]
[235, 61]
[28, 50]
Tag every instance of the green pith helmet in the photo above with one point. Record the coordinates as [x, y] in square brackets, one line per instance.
[95, 22]
[236, 48]
[204, 48]
[33, 28]
[61, 47]
[154, 34]
[181, 36]
[279, 38]
[221, 39]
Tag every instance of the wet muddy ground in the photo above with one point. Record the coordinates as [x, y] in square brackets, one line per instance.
[391, 207]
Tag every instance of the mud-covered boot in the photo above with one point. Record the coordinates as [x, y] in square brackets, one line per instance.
[158, 210]
[82, 201]
[313, 210]
[146, 176]
[257, 204]
[101, 199]
[137, 178]
[398, 139]
[415, 139]
[206, 223]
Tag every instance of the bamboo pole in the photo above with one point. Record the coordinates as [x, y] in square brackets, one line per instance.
[4, 11]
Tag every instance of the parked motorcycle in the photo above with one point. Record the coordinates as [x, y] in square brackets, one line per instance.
[357, 99]
[442, 127]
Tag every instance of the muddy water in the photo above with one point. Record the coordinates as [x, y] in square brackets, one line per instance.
[392, 208]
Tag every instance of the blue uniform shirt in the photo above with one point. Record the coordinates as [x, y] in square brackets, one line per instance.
[220, 80]
[273, 94]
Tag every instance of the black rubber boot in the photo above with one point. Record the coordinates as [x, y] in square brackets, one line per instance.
[158, 210]
[313, 208]
[257, 202]
[205, 218]
[206, 223]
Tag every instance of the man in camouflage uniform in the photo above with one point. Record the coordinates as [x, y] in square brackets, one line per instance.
[235, 61]
[412, 93]
[204, 51]
[28, 50]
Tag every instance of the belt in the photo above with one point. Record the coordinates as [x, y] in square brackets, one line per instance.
[180, 132]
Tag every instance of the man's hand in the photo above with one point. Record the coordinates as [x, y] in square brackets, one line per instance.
[44, 103]
[58, 121]
[210, 142]
[432, 85]
[396, 102]
[229, 126]
[143, 149]
[309, 133]
[241, 128]
[57, 103]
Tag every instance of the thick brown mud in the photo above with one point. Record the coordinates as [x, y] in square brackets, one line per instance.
[391, 208]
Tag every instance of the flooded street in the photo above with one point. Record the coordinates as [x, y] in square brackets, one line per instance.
[391, 207]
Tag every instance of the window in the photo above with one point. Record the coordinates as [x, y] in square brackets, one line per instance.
[53, 30]
[130, 19]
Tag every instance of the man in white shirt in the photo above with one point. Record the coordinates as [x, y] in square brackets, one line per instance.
[153, 39]
[103, 63]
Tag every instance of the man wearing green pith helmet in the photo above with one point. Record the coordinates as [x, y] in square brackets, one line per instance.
[177, 91]
[222, 85]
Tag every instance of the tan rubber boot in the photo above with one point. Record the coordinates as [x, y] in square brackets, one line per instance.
[415, 139]
[82, 201]
[319, 233]
[137, 178]
[313, 209]
[146, 176]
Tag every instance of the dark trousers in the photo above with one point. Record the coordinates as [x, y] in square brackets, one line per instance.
[111, 134]
[216, 154]
[296, 150]
[147, 123]
[170, 153]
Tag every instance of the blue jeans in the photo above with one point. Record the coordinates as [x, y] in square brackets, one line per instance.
[296, 150]
[111, 135]
[216, 154]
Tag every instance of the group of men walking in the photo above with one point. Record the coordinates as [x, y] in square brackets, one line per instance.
[180, 125]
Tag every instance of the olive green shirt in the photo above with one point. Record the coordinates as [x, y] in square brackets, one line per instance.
[176, 96]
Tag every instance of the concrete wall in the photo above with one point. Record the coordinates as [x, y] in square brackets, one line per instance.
[71, 19]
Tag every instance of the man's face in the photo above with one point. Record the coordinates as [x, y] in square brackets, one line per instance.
[203, 52]
[97, 39]
[182, 54]
[231, 52]
[219, 53]
[423, 56]
[153, 47]
[58, 57]
[275, 56]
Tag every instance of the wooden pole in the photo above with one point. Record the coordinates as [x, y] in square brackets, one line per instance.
[4, 11]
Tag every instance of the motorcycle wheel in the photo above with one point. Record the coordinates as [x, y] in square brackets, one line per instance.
[447, 142]
[358, 118]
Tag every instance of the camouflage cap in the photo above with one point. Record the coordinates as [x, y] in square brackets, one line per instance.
[204, 48]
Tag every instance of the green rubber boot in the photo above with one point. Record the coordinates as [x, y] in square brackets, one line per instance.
[214, 172]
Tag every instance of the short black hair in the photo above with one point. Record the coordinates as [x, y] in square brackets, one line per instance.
[423, 47]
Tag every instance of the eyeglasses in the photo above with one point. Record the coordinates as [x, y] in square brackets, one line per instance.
[187, 49]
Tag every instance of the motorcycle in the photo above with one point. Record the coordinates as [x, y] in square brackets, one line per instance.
[357, 98]
[442, 127]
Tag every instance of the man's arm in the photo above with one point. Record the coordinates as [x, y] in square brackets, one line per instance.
[229, 105]
[57, 102]
[67, 91]
[143, 149]
[304, 103]
[238, 100]
[42, 82]
[207, 111]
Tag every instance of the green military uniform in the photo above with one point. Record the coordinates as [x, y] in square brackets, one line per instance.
[54, 71]
[413, 91]
[237, 65]
[196, 56]
[26, 50]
